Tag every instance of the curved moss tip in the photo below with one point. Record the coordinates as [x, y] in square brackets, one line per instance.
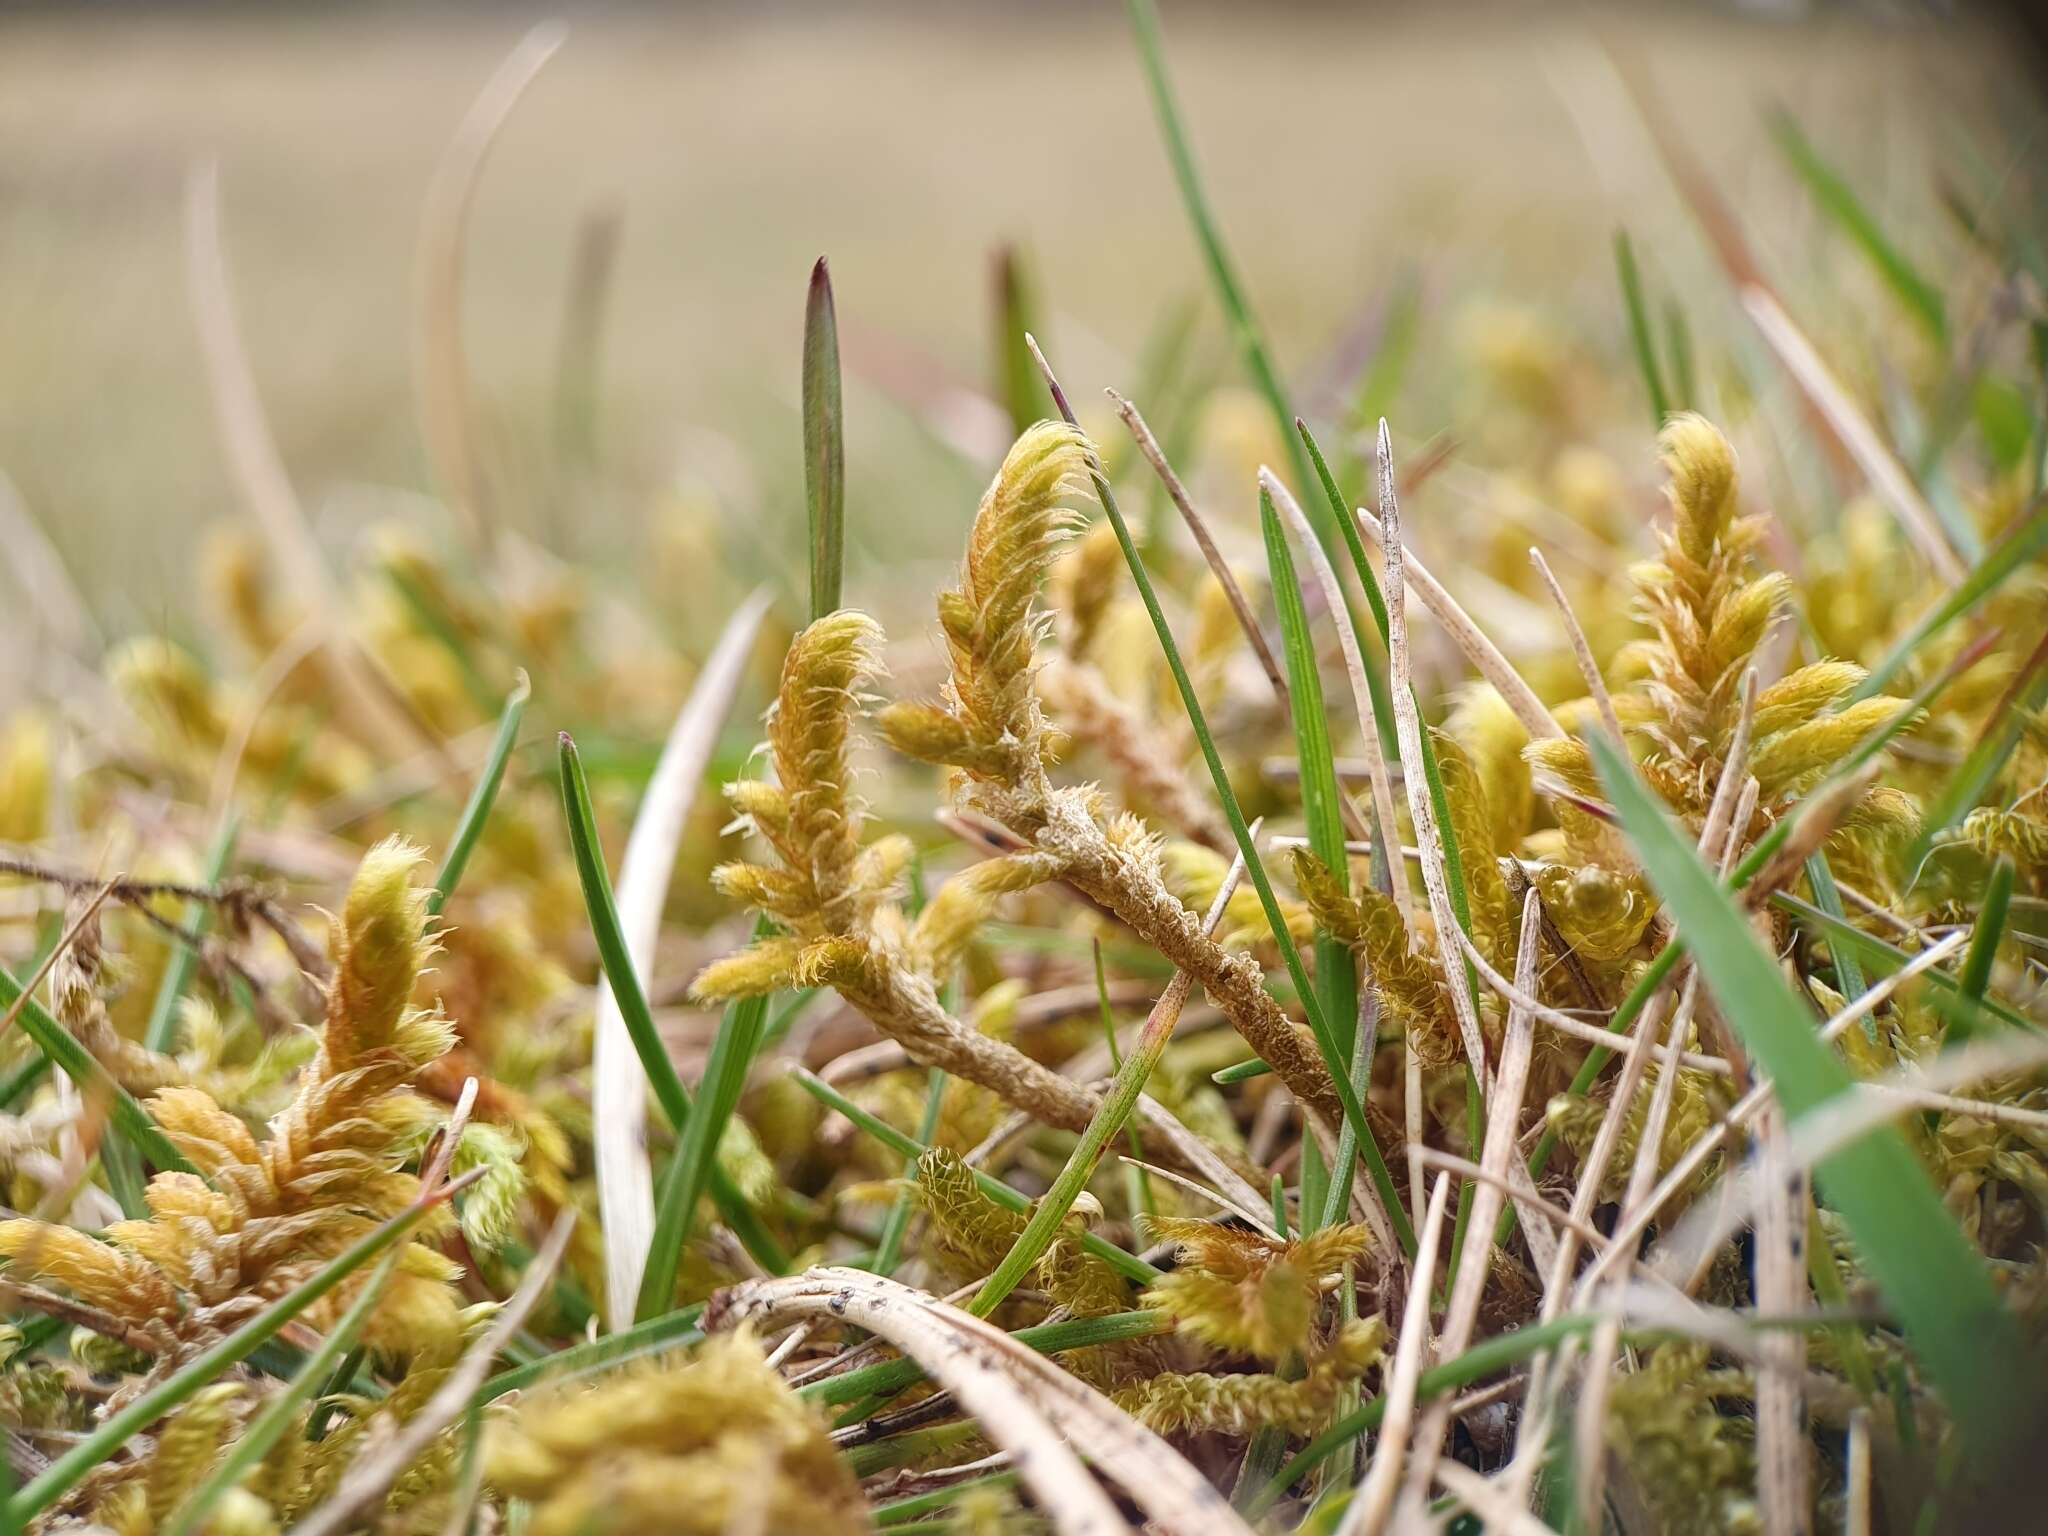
[1701, 466]
[379, 950]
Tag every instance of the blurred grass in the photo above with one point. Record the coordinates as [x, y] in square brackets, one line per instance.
[739, 149]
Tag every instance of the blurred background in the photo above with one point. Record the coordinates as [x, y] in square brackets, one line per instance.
[640, 241]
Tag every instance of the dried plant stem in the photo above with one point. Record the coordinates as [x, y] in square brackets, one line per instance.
[1408, 723]
[1629, 1230]
[1484, 655]
[441, 367]
[1136, 895]
[1218, 566]
[1374, 1500]
[1784, 1474]
[1589, 669]
[625, 1179]
[260, 477]
[1504, 1111]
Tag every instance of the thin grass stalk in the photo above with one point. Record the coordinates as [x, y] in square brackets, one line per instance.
[470, 828]
[1639, 327]
[1128, 1265]
[1322, 801]
[1989, 930]
[1138, 1184]
[1198, 527]
[1230, 292]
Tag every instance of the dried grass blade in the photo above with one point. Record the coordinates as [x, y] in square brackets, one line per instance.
[259, 473]
[1025, 1404]
[441, 367]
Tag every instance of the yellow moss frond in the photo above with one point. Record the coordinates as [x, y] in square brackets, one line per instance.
[681, 1448]
[1493, 737]
[1788, 761]
[1695, 1465]
[969, 1226]
[1472, 823]
[1565, 759]
[97, 1274]
[379, 945]
[1798, 696]
[1599, 913]
[1184, 1403]
[1700, 467]
[1410, 986]
[991, 623]
[1245, 1293]
[186, 1448]
[767, 965]
[966, 901]
[810, 732]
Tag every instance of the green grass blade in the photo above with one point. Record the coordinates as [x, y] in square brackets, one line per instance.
[725, 1074]
[1828, 898]
[1639, 332]
[639, 1019]
[1375, 660]
[1678, 342]
[478, 810]
[1129, 1265]
[1937, 1284]
[889, 1250]
[1321, 799]
[113, 1432]
[1334, 1061]
[1241, 1072]
[2022, 545]
[673, 1330]
[128, 1117]
[1244, 325]
[253, 1443]
[824, 443]
[1835, 198]
[160, 1033]
[1016, 317]
[1137, 1182]
[1050, 1213]
[1882, 954]
[1991, 914]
